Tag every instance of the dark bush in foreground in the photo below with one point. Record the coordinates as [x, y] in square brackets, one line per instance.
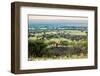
[36, 47]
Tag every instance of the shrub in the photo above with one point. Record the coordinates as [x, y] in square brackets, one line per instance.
[36, 47]
[65, 43]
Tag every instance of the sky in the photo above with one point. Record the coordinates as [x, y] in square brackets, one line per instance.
[44, 19]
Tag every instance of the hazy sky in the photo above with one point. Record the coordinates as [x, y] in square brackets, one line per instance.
[56, 19]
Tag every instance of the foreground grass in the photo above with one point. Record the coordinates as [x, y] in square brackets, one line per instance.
[58, 58]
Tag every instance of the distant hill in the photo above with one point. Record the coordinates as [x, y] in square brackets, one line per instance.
[56, 25]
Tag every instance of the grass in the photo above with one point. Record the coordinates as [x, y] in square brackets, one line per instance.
[61, 57]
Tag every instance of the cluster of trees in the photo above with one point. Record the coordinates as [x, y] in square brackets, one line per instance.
[60, 35]
[40, 48]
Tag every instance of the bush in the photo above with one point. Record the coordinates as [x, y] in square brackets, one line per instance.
[36, 47]
[65, 43]
[80, 47]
